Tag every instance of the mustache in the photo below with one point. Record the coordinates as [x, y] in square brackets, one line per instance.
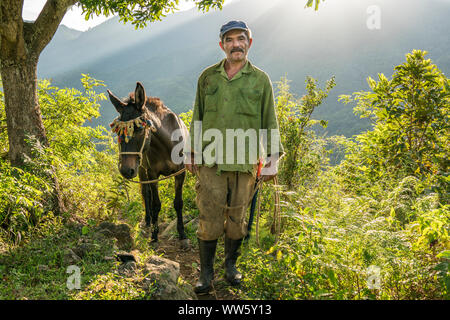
[237, 50]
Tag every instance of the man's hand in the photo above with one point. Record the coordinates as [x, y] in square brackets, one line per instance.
[192, 168]
[270, 170]
[189, 164]
[268, 177]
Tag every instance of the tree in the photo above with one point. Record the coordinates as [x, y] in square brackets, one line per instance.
[21, 44]
[411, 114]
[294, 115]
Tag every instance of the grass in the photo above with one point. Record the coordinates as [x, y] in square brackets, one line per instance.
[39, 268]
[332, 246]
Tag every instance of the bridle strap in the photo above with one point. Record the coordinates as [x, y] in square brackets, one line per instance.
[140, 154]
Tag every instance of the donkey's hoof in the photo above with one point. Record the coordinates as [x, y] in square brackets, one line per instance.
[185, 244]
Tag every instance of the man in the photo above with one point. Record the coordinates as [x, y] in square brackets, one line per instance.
[234, 101]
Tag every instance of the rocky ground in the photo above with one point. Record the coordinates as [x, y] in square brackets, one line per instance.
[173, 260]
[113, 262]
[189, 262]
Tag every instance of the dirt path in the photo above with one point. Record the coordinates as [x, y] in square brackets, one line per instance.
[189, 268]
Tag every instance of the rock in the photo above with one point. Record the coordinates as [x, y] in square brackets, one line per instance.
[70, 257]
[162, 279]
[128, 268]
[169, 229]
[125, 257]
[83, 248]
[162, 268]
[185, 244]
[121, 232]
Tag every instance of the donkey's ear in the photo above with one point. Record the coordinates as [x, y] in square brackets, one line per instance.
[139, 96]
[118, 104]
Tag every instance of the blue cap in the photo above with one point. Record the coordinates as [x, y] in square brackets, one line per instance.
[233, 25]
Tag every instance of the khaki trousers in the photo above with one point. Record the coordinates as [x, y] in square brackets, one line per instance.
[222, 202]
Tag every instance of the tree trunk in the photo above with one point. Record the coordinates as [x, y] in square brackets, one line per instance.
[23, 114]
[21, 43]
[23, 117]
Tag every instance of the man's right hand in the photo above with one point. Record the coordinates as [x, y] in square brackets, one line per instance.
[192, 168]
[189, 164]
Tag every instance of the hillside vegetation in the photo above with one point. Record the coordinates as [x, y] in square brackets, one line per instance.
[374, 226]
[289, 40]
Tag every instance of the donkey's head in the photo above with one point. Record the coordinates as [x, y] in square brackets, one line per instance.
[132, 128]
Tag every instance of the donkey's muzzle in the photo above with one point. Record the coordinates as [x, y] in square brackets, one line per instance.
[128, 173]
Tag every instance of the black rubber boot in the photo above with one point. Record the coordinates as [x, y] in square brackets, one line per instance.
[232, 252]
[207, 254]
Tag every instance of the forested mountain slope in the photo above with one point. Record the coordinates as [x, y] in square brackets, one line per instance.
[291, 41]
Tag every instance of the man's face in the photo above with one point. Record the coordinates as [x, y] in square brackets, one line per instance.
[236, 45]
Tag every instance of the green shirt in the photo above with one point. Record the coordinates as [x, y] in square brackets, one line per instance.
[224, 106]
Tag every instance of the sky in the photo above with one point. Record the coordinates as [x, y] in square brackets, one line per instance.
[74, 18]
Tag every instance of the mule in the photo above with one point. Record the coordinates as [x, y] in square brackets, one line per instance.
[150, 153]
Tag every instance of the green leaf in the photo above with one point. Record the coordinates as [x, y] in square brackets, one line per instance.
[85, 230]
[444, 254]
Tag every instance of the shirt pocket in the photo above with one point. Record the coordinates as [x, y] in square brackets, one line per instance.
[249, 101]
[211, 98]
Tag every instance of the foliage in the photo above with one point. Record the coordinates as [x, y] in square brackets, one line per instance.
[302, 156]
[38, 269]
[316, 4]
[411, 114]
[330, 252]
[112, 286]
[370, 227]
[22, 200]
[375, 226]
[139, 12]
[64, 112]
[72, 152]
[23, 191]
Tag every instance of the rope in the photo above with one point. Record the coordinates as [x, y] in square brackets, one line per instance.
[276, 223]
[276, 212]
[160, 179]
[141, 159]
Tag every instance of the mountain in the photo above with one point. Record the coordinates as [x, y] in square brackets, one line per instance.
[168, 56]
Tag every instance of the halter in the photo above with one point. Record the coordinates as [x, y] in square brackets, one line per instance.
[125, 130]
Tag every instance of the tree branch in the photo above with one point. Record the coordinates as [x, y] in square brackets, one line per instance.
[47, 23]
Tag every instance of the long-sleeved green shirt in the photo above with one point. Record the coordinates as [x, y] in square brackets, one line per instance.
[232, 114]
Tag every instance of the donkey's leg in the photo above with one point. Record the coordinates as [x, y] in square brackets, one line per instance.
[146, 197]
[156, 207]
[178, 204]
